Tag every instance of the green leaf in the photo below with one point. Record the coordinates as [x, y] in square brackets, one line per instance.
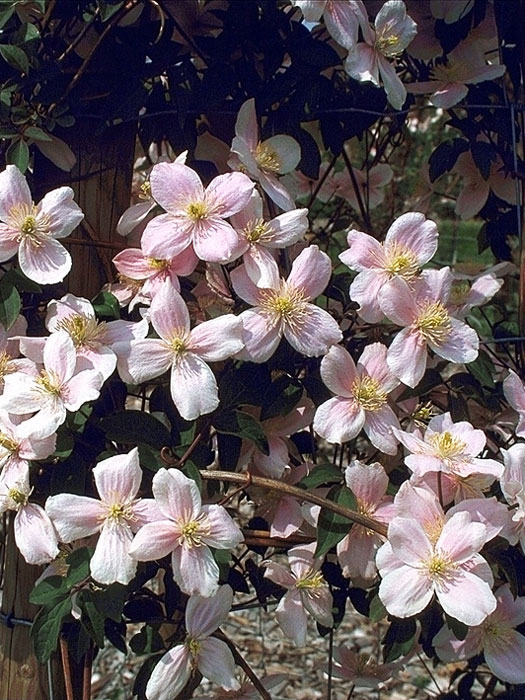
[134, 427]
[331, 527]
[244, 426]
[49, 592]
[6, 13]
[34, 132]
[92, 620]
[16, 58]
[459, 629]
[399, 639]
[10, 303]
[377, 610]
[106, 305]
[26, 33]
[46, 629]
[321, 474]
[147, 641]
[482, 369]
[21, 282]
[107, 8]
[281, 397]
[18, 154]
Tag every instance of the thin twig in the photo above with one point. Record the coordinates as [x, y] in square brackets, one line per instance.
[86, 674]
[355, 185]
[67, 669]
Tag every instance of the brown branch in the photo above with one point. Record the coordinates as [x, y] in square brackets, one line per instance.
[262, 538]
[362, 209]
[301, 494]
[67, 669]
[86, 674]
[240, 661]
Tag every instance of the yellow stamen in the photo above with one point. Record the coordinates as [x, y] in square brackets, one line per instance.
[8, 443]
[145, 190]
[159, 264]
[49, 383]
[267, 159]
[192, 532]
[17, 496]
[434, 323]
[119, 512]
[197, 211]
[401, 262]
[459, 292]
[447, 445]
[312, 581]
[388, 45]
[440, 567]
[256, 230]
[82, 330]
[25, 219]
[287, 304]
[368, 393]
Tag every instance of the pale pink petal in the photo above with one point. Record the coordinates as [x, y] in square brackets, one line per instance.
[365, 252]
[216, 663]
[292, 618]
[193, 387]
[319, 605]
[462, 345]
[338, 371]
[133, 263]
[169, 313]
[409, 541]
[111, 561]
[170, 675]
[378, 426]
[166, 236]
[217, 339]
[8, 242]
[273, 464]
[204, 615]
[155, 540]
[287, 519]
[215, 240]
[362, 63]
[279, 574]
[118, 477]
[472, 198]
[448, 95]
[144, 359]
[506, 661]
[397, 302]
[260, 336]
[514, 391]
[13, 190]
[368, 482]
[228, 194]
[175, 186]
[47, 263]
[59, 355]
[311, 272]
[365, 290]
[224, 533]
[245, 287]
[276, 191]
[415, 233]
[63, 215]
[405, 591]
[287, 229]
[316, 333]
[133, 216]
[35, 535]
[145, 510]
[84, 386]
[373, 360]
[75, 516]
[261, 267]
[246, 124]
[287, 150]
[343, 19]
[195, 570]
[339, 420]
[460, 538]
[407, 356]
[466, 598]
[177, 496]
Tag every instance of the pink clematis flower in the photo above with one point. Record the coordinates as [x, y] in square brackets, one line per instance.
[410, 242]
[193, 385]
[342, 18]
[475, 189]
[195, 215]
[307, 591]
[284, 512]
[261, 238]
[369, 60]
[414, 567]
[363, 670]
[32, 230]
[465, 65]
[514, 391]
[10, 350]
[116, 516]
[263, 160]
[16, 451]
[465, 294]
[448, 447]
[134, 264]
[53, 391]
[370, 184]
[95, 342]
[284, 309]
[35, 535]
[361, 401]
[513, 487]
[199, 651]
[187, 530]
[422, 310]
[356, 552]
[503, 647]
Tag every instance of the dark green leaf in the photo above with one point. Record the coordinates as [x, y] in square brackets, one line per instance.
[483, 154]
[377, 610]
[21, 282]
[281, 397]
[147, 641]
[399, 639]
[18, 154]
[331, 527]
[106, 305]
[321, 474]
[16, 58]
[34, 132]
[244, 426]
[92, 620]
[10, 303]
[459, 629]
[46, 629]
[5, 13]
[136, 428]
[482, 369]
[444, 157]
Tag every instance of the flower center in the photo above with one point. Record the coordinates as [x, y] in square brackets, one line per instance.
[118, 513]
[18, 497]
[440, 567]
[459, 292]
[49, 383]
[368, 393]
[447, 445]
[24, 218]
[194, 647]
[4, 365]
[192, 532]
[434, 323]
[388, 45]
[197, 211]
[83, 330]
[286, 303]
[311, 582]
[8, 443]
[145, 190]
[401, 262]
[423, 412]
[179, 342]
[255, 230]
[159, 264]
[267, 159]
